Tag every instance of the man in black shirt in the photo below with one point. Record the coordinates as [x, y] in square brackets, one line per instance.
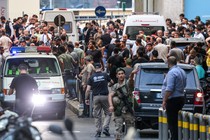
[115, 62]
[25, 86]
[98, 82]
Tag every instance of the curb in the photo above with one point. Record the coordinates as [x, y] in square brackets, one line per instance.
[74, 106]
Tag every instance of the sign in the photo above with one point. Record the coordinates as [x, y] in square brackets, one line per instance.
[59, 20]
[100, 11]
[123, 6]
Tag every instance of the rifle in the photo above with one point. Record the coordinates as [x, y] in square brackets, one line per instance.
[126, 102]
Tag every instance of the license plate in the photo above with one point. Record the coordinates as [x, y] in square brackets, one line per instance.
[159, 96]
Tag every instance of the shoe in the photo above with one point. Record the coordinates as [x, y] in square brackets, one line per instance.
[83, 116]
[98, 134]
[106, 132]
[81, 106]
[75, 99]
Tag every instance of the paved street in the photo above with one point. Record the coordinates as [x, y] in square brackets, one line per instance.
[84, 129]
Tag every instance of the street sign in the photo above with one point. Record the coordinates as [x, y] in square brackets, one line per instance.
[100, 11]
[59, 20]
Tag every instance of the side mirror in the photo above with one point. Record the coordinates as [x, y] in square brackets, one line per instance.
[1, 97]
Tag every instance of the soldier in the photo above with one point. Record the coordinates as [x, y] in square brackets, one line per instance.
[120, 102]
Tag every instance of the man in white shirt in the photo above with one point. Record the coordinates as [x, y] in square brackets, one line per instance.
[46, 37]
[5, 42]
[198, 33]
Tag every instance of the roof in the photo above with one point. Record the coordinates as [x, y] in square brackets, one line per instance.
[186, 40]
[163, 65]
[30, 55]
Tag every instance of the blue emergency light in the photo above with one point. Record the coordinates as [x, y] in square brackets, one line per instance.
[14, 50]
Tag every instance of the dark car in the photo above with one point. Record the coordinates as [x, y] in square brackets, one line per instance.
[147, 92]
[182, 43]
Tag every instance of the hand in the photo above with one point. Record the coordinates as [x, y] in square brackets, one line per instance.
[164, 105]
[87, 102]
[111, 108]
[84, 87]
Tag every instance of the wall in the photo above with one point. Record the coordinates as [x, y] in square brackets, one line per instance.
[18, 7]
[193, 8]
[169, 8]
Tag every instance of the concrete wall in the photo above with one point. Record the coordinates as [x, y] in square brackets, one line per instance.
[18, 7]
[169, 8]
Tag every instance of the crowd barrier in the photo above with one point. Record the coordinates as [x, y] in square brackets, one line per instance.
[190, 126]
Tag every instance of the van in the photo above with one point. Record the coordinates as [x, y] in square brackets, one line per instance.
[45, 69]
[145, 22]
[70, 22]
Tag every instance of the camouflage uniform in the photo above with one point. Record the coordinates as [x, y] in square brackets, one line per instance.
[121, 111]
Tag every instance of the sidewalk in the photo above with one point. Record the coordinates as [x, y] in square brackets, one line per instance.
[74, 106]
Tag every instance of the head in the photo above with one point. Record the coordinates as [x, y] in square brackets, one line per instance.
[120, 74]
[88, 59]
[172, 61]
[70, 46]
[173, 44]
[97, 66]
[23, 68]
[3, 19]
[154, 53]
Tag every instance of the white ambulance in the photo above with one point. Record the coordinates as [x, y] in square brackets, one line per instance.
[145, 22]
[44, 67]
[70, 22]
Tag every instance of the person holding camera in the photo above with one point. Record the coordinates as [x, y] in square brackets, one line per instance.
[46, 37]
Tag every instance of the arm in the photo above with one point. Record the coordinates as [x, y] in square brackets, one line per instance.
[61, 64]
[87, 93]
[111, 107]
[11, 91]
[167, 94]
[12, 30]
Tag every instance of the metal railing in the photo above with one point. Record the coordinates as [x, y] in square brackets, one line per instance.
[190, 126]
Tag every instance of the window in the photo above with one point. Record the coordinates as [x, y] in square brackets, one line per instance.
[134, 30]
[153, 78]
[41, 67]
[67, 26]
[76, 4]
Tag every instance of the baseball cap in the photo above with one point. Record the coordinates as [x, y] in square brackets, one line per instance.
[97, 65]
[120, 69]
[88, 58]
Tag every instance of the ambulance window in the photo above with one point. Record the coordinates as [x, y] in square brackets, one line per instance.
[134, 30]
[68, 27]
[42, 67]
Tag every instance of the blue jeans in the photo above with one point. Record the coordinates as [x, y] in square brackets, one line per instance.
[71, 87]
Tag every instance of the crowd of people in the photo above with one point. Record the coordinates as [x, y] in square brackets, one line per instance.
[107, 49]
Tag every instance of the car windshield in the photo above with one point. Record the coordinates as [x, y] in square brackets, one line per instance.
[37, 67]
[134, 30]
[153, 78]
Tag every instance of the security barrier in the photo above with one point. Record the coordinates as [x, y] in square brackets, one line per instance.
[163, 125]
[190, 126]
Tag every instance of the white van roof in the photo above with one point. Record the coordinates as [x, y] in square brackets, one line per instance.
[51, 14]
[145, 20]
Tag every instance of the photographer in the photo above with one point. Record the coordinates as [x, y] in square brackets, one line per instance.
[46, 37]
